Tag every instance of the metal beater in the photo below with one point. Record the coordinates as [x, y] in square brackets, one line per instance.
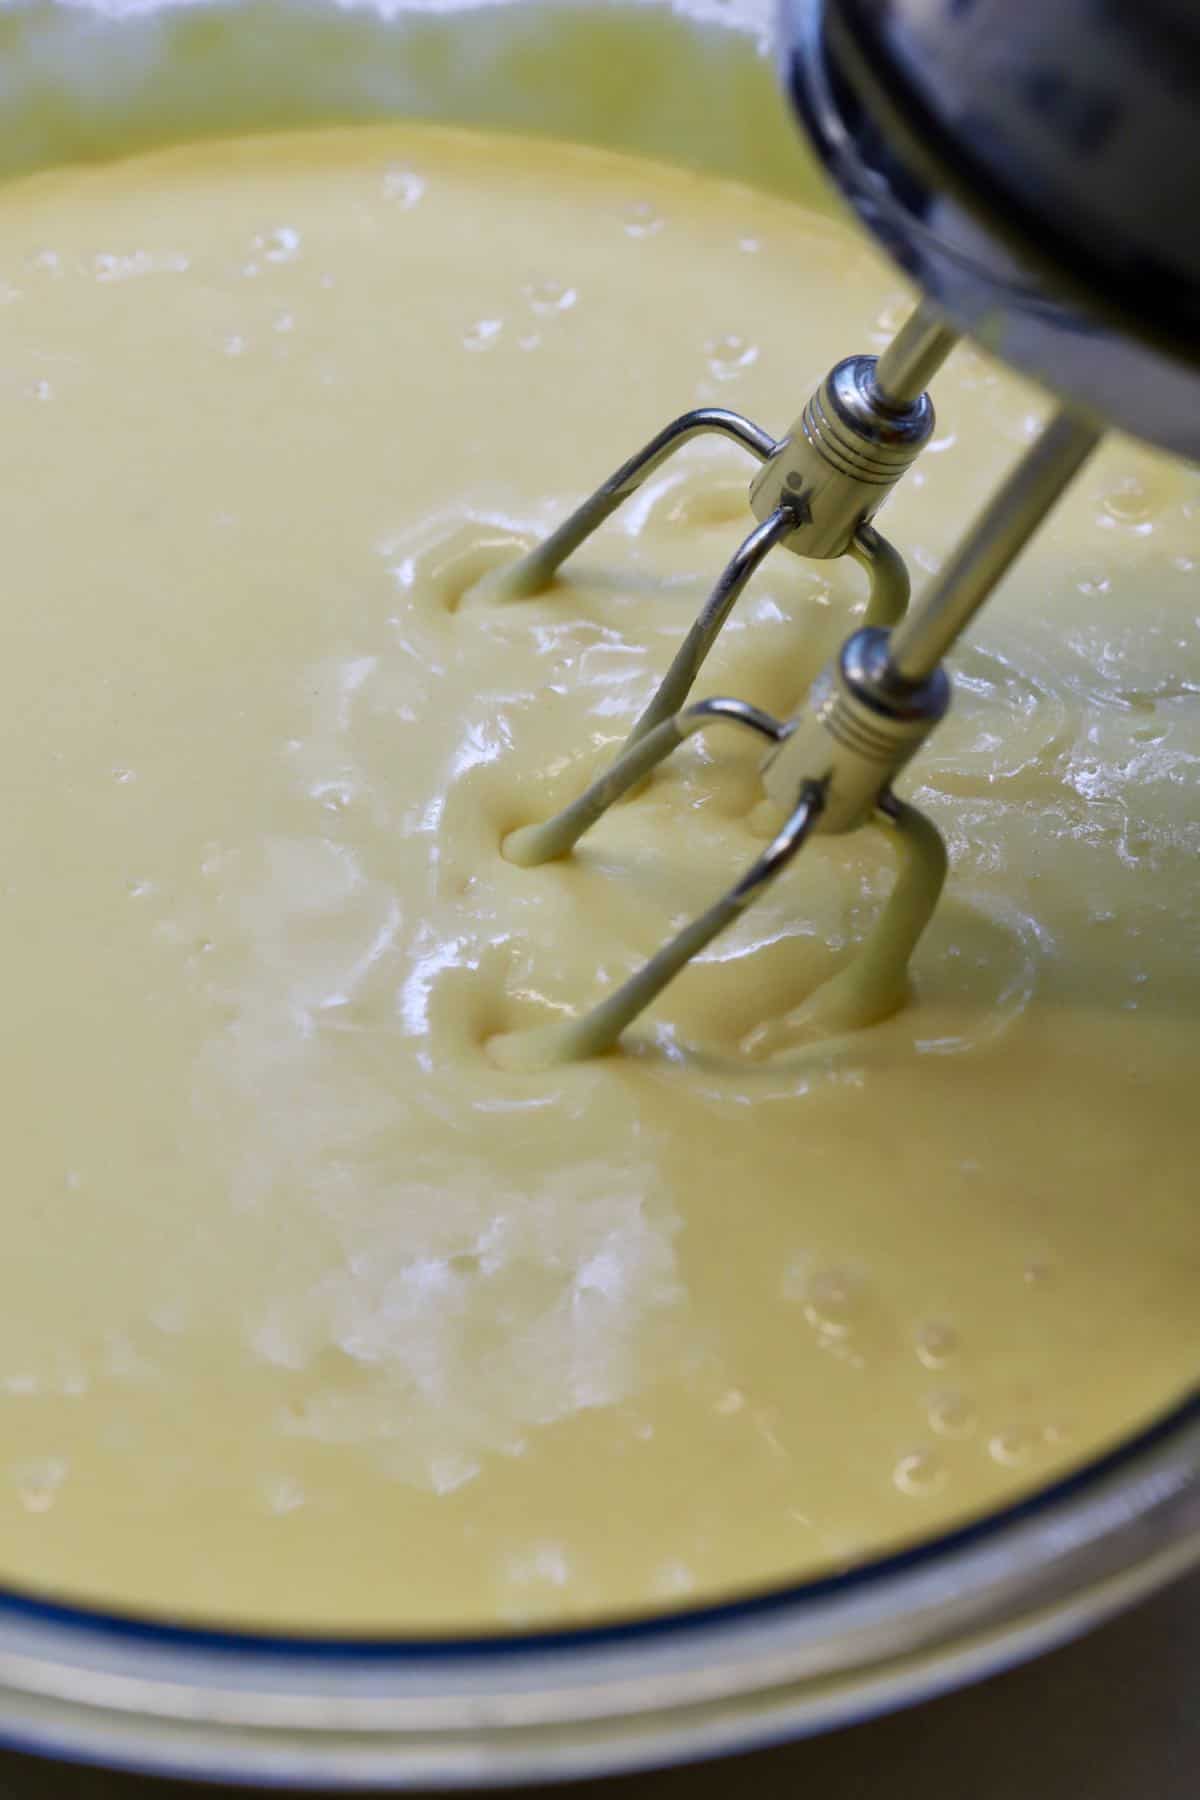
[963, 135]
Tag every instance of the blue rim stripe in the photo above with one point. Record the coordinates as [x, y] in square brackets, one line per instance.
[301, 1647]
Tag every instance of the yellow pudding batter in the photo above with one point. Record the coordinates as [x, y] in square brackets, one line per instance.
[313, 1315]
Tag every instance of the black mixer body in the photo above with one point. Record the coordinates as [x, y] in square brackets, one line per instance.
[1033, 166]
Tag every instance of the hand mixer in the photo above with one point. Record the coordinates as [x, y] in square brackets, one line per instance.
[1032, 168]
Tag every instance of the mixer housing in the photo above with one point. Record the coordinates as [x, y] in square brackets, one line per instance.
[1032, 168]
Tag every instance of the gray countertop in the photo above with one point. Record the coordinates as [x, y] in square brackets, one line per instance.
[1114, 1717]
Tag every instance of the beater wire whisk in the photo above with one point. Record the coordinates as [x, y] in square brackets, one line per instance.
[831, 769]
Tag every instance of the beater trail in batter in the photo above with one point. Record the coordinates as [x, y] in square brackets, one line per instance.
[312, 1314]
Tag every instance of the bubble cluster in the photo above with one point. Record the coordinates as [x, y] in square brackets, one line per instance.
[548, 297]
[283, 1494]
[280, 245]
[950, 1414]
[642, 220]
[1012, 1448]
[936, 1344]
[39, 1482]
[671, 1578]
[920, 1474]
[403, 187]
[546, 1563]
[729, 355]
[1129, 502]
[483, 334]
[832, 1301]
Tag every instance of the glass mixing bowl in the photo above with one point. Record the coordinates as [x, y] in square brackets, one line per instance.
[690, 81]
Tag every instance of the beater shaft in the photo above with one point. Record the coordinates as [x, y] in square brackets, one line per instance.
[997, 537]
[856, 733]
[914, 356]
[874, 706]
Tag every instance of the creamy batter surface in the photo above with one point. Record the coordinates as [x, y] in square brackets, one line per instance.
[310, 1314]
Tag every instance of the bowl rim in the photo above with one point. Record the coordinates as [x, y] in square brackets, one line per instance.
[371, 1713]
